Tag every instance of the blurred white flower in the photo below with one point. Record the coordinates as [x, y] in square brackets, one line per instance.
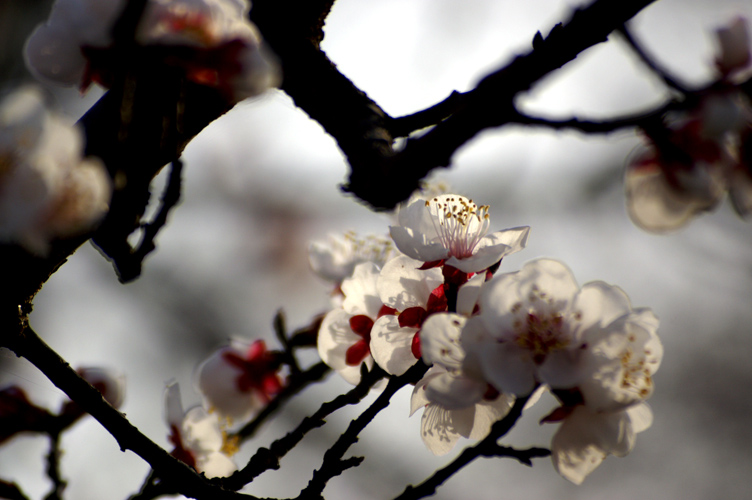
[226, 53]
[47, 190]
[239, 380]
[336, 258]
[452, 229]
[197, 436]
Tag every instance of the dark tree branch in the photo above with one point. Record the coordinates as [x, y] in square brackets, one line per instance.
[178, 477]
[298, 382]
[405, 125]
[11, 491]
[486, 448]
[129, 265]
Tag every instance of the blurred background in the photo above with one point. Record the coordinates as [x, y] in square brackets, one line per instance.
[262, 182]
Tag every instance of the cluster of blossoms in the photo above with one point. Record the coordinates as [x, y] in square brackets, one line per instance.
[236, 382]
[213, 41]
[693, 162]
[48, 190]
[490, 338]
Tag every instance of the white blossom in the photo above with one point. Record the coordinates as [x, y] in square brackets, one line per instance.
[47, 189]
[545, 326]
[227, 48]
[335, 258]
[239, 380]
[197, 437]
[453, 229]
[345, 333]
[456, 402]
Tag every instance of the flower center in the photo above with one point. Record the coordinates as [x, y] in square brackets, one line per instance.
[459, 223]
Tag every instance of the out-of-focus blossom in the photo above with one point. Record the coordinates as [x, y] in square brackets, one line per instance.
[336, 258]
[108, 382]
[345, 334]
[18, 414]
[197, 437]
[239, 380]
[224, 48]
[451, 229]
[668, 186]
[456, 402]
[47, 190]
[689, 166]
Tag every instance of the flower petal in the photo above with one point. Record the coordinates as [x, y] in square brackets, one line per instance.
[402, 284]
[391, 345]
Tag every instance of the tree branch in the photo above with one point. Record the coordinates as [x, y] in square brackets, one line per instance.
[180, 477]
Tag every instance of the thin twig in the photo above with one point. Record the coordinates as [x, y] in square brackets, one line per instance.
[405, 125]
[332, 464]
[297, 383]
[268, 458]
[650, 62]
[487, 447]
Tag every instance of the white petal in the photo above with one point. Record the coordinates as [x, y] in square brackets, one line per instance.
[216, 464]
[418, 398]
[491, 249]
[586, 438]
[488, 412]
[335, 338]
[597, 304]
[455, 392]
[508, 368]
[200, 430]
[441, 428]
[361, 295]
[641, 417]
[416, 245]
[469, 293]
[173, 405]
[504, 292]
[440, 340]
[402, 284]
[391, 345]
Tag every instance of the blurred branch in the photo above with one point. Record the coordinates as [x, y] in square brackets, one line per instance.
[129, 265]
[11, 491]
[485, 448]
[650, 62]
[53, 469]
